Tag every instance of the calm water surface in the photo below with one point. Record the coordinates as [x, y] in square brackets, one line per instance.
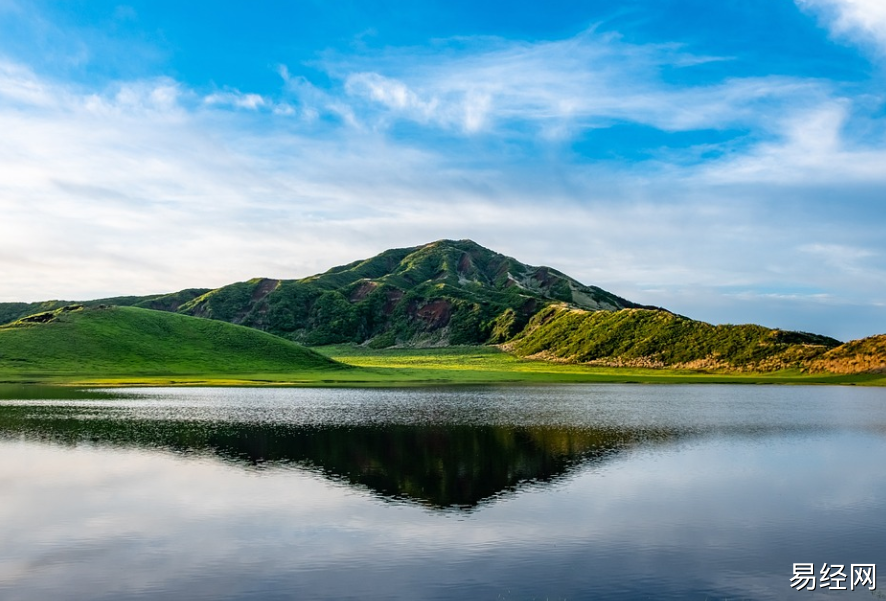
[566, 492]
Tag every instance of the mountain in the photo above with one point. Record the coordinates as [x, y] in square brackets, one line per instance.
[658, 338]
[457, 292]
[445, 292]
[83, 341]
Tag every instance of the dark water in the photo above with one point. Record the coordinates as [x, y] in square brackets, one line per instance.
[568, 492]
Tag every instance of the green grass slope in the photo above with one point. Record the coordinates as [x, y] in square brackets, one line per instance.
[86, 342]
[10, 312]
[655, 338]
[867, 355]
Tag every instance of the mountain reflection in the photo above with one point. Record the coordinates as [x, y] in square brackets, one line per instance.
[440, 466]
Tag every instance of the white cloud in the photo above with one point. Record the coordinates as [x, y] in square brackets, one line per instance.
[389, 92]
[860, 20]
[19, 84]
[811, 148]
[314, 102]
[233, 98]
[131, 190]
[284, 109]
[156, 96]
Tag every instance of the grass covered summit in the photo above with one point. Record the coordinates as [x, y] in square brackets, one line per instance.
[443, 293]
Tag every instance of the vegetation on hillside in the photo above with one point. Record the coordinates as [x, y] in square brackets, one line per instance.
[446, 292]
[141, 349]
[867, 355]
[488, 364]
[656, 338]
[10, 312]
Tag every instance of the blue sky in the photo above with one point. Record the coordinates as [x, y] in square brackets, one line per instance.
[726, 160]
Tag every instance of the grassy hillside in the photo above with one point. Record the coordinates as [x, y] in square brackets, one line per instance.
[10, 312]
[131, 346]
[655, 338]
[82, 342]
[867, 355]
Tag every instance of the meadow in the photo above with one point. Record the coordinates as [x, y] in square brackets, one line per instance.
[488, 364]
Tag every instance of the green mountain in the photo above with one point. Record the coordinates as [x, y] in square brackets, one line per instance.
[446, 292]
[84, 341]
[658, 338]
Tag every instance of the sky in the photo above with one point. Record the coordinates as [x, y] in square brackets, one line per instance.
[725, 160]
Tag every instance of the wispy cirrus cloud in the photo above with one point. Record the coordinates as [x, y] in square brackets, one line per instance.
[555, 87]
[237, 99]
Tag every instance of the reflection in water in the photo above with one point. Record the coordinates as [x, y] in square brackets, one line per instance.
[38, 392]
[438, 465]
[439, 447]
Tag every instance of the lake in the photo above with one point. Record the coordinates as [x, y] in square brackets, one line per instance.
[554, 492]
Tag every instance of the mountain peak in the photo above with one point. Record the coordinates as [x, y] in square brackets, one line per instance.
[463, 244]
[443, 292]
